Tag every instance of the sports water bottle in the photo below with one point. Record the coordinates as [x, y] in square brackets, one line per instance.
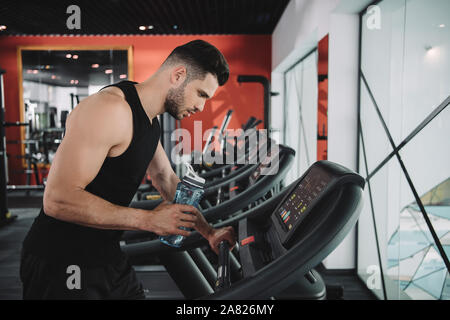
[189, 191]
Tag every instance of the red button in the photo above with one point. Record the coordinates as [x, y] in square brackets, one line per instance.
[247, 240]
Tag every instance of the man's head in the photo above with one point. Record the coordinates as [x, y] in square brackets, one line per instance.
[196, 69]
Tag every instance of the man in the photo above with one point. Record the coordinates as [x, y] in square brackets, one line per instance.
[72, 250]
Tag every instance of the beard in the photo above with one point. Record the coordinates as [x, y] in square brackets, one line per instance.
[174, 101]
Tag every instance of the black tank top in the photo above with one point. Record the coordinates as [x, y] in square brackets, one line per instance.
[117, 181]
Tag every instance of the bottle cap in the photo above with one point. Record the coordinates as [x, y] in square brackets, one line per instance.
[192, 178]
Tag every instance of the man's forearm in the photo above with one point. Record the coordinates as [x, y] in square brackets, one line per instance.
[87, 209]
[166, 184]
[203, 227]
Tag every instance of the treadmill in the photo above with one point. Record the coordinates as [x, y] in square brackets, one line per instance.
[241, 148]
[245, 161]
[280, 242]
[240, 168]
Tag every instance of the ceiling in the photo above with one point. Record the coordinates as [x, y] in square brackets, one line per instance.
[124, 17]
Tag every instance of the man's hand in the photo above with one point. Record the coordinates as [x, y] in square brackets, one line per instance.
[214, 236]
[167, 219]
[218, 235]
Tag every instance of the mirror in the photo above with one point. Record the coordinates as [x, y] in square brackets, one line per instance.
[53, 81]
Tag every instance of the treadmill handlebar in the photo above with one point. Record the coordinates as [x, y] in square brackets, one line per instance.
[223, 269]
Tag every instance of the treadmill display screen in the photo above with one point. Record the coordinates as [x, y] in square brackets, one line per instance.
[296, 206]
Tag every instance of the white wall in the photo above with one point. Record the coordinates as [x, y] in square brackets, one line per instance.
[343, 85]
[300, 20]
[301, 26]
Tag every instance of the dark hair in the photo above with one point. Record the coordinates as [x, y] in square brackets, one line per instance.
[201, 58]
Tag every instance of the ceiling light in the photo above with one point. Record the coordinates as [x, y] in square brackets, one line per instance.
[95, 66]
[108, 71]
[142, 28]
[75, 56]
[68, 56]
[150, 27]
[175, 26]
[47, 67]
[123, 76]
[442, 25]
[2, 27]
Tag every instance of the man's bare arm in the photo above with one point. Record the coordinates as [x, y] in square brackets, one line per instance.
[100, 126]
[165, 181]
[163, 177]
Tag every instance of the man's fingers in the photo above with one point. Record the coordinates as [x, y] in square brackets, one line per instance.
[188, 208]
[181, 232]
[187, 224]
[187, 217]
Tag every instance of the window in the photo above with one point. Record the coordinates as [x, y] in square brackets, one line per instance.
[404, 228]
[300, 113]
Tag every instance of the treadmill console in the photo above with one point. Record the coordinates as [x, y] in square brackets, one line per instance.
[308, 201]
[310, 189]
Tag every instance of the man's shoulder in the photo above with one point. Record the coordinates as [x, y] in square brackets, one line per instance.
[104, 111]
[108, 103]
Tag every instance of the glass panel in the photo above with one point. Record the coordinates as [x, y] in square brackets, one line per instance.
[422, 270]
[382, 62]
[406, 65]
[427, 60]
[427, 162]
[309, 109]
[301, 114]
[292, 134]
[367, 258]
[407, 249]
[386, 187]
[376, 140]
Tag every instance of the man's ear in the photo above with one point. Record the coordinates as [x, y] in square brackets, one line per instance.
[178, 75]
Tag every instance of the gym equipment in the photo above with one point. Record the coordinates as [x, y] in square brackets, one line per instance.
[243, 148]
[267, 94]
[212, 134]
[280, 241]
[196, 156]
[243, 192]
[5, 215]
[229, 172]
[243, 189]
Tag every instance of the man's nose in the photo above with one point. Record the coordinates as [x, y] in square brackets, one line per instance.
[200, 107]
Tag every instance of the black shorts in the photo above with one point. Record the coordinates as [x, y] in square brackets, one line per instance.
[42, 279]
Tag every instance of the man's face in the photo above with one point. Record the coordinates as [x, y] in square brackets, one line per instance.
[189, 98]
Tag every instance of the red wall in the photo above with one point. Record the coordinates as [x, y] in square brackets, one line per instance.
[322, 114]
[245, 54]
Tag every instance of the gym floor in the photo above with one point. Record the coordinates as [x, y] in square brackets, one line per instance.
[26, 207]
